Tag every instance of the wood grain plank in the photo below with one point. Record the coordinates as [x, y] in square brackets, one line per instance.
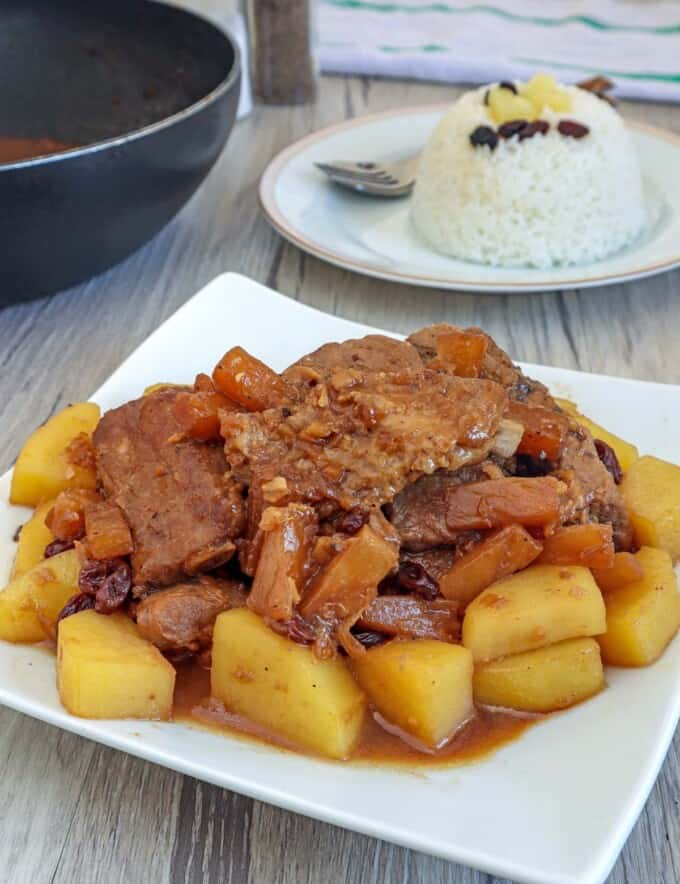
[125, 822]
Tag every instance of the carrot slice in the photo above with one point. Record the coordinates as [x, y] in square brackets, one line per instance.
[249, 382]
[463, 351]
[108, 534]
[544, 430]
[625, 569]
[198, 414]
[499, 502]
[498, 555]
[589, 545]
[66, 519]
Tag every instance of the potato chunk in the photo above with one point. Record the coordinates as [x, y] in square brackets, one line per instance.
[53, 583]
[626, 453]
[422, 686]
[642, 617]
[283, 687]
[18, 621]
[651, 489]
[537, 607]
[106, 670]
[43, 467]
[29, 606]
[542, 680]
[33, 538]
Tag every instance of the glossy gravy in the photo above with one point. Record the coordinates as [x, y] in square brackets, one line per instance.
[484, 734]
[13, 149]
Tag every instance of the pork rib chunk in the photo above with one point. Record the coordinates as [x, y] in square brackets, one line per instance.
[181, 617]
[592, 493]
[369, 419]
[183, 507]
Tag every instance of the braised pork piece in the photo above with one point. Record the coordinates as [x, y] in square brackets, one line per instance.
[371, 490]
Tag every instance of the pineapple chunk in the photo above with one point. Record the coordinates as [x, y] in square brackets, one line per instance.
[642, 617]
[105, 669]
[543, 680]
[625, 452]
[33, 538]
[536, 607]
[651, 489]
[543, 90]
[30, 605]
[42, 469]
[283, 687]
[504, 106]
[422, 686]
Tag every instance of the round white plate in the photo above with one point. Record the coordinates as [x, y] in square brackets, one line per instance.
[374, 237]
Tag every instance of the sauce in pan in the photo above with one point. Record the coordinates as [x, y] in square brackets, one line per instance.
[13, 149]
[489, 730]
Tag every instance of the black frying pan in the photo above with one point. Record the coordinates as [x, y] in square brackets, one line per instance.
[149, 92]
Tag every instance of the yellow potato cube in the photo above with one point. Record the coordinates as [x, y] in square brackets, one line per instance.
[651, 489]
[30, 605]
[19, 622]
[52, 584]
[105, 669]
[283, 687]
[543, 680]
[626, 452]
[423, 687]
[642, 617]
[504, 106]
[43, 469]
[536, 607]
[33, 538]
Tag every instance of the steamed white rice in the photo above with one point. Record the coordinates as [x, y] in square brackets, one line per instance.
[546, 201]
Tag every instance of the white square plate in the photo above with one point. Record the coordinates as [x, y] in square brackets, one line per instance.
[553, 807]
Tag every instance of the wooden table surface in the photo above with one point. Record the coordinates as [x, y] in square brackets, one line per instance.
[73, 811]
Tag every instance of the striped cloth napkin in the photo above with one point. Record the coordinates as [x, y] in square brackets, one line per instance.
[636, 44]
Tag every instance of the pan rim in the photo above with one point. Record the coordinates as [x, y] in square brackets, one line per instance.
[166, 122]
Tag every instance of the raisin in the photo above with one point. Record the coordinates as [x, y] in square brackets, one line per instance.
[608, 457]
[535, 128]
[414, 578]
[114, 590]
[58, 546]
[572, 129]
[92, 575]
[368, 638]
[484, 135]
[15, 536]
[512, 127]
[296, 629]
[77, 603]
[351, 521]
[506, 84]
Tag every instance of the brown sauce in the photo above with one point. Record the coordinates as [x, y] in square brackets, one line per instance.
[486, 732]
[13, 149]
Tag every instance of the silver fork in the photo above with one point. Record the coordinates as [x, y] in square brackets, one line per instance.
[376, 179]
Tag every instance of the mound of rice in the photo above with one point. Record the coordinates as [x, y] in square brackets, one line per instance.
[546, 201]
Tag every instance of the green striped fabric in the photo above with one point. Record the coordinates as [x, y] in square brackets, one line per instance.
[636, 44]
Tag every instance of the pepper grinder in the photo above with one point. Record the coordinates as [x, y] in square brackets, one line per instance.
[283, 61]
